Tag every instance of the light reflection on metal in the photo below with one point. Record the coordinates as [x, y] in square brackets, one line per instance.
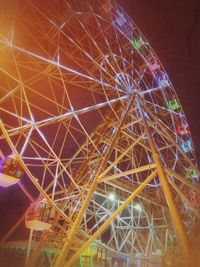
[65, 109]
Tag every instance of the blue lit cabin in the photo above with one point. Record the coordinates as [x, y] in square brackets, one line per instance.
[163, 80]
[186, 146]
[10, 171]
[120, 19]
[39, 216]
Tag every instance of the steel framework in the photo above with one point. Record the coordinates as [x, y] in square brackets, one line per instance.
[98, 129]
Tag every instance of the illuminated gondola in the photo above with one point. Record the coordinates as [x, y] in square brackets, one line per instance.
[10, 171]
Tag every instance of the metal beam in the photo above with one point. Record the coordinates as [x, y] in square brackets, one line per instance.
[192, 207]
[182, 180]
[175, 217]
[110, 219]
[60, 259]
[135, 170]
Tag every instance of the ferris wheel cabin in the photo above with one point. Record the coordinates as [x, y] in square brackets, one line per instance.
[10, 171]
[39, 216]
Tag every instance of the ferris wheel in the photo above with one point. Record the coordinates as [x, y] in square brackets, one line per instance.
[95, 136]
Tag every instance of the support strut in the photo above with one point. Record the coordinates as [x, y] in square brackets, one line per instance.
[60, 259]
[175, 217]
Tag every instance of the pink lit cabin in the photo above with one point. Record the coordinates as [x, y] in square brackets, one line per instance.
[183, 129]
[154, 65]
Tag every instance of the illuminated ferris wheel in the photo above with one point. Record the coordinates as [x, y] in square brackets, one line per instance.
[95, 136]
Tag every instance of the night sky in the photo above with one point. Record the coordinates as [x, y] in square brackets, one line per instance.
[172, 27]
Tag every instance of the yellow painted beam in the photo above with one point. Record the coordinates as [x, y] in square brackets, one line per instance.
[60, 259]
[182, 179]
[192, 207]
[175, 217]
[74, 258]
[135, 170]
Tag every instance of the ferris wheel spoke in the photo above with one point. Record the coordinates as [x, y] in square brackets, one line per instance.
[126, 173]
[182, 179]
[78, 45]
[108, 45]
[97, 19]
[165, 109]
[120, 157]
[57, 64]
[67, 115]
[91, 118]
[165, 130]
[166, 135]
[56, 157]
[185, 199]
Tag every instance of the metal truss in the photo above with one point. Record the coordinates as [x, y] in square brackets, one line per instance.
[97, 127]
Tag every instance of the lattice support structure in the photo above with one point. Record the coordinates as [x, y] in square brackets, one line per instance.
[91, 119]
